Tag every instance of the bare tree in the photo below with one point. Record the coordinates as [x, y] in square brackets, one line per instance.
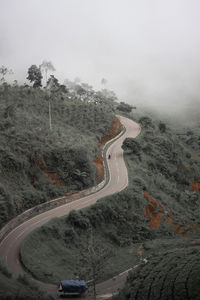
[93, 258]
[47, 66]
[52, 86]
[4, 71]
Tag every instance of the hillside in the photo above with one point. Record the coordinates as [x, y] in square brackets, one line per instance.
[171, 268]
[168, 274]
[21, 288]
[161, 202]
[38, 163]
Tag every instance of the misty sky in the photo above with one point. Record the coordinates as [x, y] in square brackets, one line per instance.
[149, 51]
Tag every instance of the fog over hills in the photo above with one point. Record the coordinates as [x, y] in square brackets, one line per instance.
[147, 50]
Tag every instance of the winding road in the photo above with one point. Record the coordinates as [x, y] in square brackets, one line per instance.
[10, 246]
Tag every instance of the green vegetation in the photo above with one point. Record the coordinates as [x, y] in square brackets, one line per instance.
[168, 166]
[124, 107]
[56, 245]
[44, 153]
[172, 274]
[172, 158]
[159, 203]
[38, 164]
[18, 289]
[35, 76]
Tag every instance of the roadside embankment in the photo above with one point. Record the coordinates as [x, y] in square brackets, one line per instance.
[115, 129]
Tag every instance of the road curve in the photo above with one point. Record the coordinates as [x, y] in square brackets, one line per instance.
[10, 246]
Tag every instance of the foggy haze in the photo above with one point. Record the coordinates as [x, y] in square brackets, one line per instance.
[147, 50]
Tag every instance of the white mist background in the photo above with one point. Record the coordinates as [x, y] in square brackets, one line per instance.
[149, 51]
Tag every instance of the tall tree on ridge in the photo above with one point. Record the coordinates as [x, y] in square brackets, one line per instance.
[47, 66]
[35, 76]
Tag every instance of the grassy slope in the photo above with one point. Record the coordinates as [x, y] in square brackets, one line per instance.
[157, 204]
[19, 289]
[32, 157]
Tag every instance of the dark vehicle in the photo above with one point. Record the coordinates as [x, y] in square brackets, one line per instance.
[72, 288]
[109, 156]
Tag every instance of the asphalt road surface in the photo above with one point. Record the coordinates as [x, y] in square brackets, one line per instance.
[10, 246]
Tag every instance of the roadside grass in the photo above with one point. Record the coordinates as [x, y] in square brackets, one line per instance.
[21, 288]
[161, 173]
[64, 265]
[51, 252]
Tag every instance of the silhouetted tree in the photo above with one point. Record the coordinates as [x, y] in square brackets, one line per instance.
[52, 84]
[35, 76]
[162, 127]
[125, 107]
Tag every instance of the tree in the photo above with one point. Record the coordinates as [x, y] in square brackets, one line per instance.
[146, 122]
[52, 84]
[47, 66]
[162, 127]
[125, 107]
[130, 145]
[51, 87]
[4, 71]
[93, 258]
[103, 81]
[35, 76]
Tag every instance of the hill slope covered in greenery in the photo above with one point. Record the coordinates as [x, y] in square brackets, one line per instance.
[38, 163]
[172, 274]
[161, 202]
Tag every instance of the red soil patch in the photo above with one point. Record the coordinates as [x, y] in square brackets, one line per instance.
[115, 129]
[178, 228]
[140, 250]
[156, 217]
[168, 220]
[186, 233]
[196, 227]
[195, 187]
[53, 176]
[30, 177]
[100, 167]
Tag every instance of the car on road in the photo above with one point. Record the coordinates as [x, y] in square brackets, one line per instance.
[72, 288]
